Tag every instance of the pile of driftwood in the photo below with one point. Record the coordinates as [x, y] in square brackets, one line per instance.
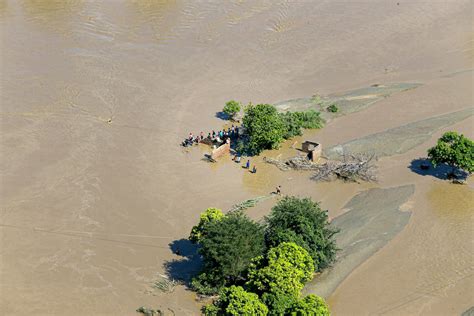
[295, 163]
[353, 167]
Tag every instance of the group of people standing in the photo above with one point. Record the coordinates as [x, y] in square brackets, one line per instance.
[219, 136]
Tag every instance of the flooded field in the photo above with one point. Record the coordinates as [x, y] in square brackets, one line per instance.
[97, 95]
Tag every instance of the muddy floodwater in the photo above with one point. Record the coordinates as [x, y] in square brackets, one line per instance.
[97, 95]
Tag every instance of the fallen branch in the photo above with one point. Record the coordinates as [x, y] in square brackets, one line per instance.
[351, 167]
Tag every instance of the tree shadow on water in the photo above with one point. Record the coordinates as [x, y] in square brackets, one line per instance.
[221, 115]
[423, 167]
[185, 268]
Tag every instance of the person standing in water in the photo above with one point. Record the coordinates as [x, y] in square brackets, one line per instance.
[278, 190]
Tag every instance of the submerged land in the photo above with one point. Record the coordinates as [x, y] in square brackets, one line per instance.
[97, 195]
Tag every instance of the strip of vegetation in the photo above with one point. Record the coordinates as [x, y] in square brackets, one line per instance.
[266, 128]
[261, 268]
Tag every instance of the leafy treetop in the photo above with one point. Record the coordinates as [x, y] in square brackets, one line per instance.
[227, 248]
[310, 305]
[231, 108]
[236, 301]
[455, 150]
[208, 216]
[264, 127]
[303, 222]
[284, 270]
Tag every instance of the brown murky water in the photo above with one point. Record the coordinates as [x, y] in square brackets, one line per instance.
[96, 95]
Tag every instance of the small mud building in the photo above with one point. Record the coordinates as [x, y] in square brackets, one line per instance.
[313, 149]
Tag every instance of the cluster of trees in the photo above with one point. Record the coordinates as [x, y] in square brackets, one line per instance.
[455, 150]
[266, 128]
[261, 268]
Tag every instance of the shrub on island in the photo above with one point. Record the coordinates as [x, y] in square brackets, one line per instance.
[231, 109]
[455, 150]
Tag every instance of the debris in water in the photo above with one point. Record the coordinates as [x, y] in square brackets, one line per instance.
[248, 203]
[352, 167]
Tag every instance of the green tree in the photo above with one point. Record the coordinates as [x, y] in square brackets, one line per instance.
[208, 216]
[455, 150]
[231, 108]
[303, 222]
[264, 127]
[236, 301]
[278, 302]
[284, 270]
[310, 305]
[227, 249]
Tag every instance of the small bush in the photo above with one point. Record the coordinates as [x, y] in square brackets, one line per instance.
[296, 121]
[149, 311]
[231, 108]
[333, 108]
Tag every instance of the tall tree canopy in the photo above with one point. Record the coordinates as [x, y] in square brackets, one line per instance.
[264, 127]
[236, 301]
[280, 276]
[303, 222]
[284, 270]
[310, 305]
[227, 248]
[208, 216]
[455, 150]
